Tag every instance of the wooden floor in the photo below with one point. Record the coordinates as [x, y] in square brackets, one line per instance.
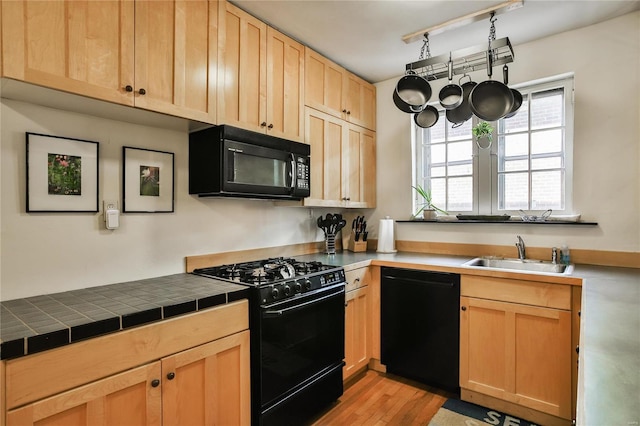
[384, 399]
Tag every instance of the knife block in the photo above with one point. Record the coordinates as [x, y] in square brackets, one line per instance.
[356, 246]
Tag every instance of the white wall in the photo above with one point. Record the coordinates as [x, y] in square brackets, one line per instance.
[606, 61]
[51, 252]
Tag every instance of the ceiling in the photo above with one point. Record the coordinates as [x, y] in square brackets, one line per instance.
[365, 36]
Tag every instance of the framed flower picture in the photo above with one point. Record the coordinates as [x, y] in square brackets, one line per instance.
[147, 181]
[62, 174]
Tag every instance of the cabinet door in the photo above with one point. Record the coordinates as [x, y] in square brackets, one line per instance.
[208, 384]
[360, 102]
[326, 135]
[176, 54]
[517, 353]
[80, 46]
[129, 398]
[356, 336]
[359, 168]
[242, 78]
[285, 86]
[324, 84]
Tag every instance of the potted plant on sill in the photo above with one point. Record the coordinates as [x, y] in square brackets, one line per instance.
[428, 210]
[483, 131]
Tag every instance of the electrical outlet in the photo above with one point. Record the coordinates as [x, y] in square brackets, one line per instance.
[110, 205]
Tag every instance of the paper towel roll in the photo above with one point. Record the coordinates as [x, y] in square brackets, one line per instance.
[386, 240]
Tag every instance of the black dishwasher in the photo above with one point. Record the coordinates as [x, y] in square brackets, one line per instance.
[420, 326]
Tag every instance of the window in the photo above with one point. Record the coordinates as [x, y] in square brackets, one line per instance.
[527, 167]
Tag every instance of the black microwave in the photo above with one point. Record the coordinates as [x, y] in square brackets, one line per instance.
[226, 161]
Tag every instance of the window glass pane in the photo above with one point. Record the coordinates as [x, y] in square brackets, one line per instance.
[547, 141]
[462, 132]
[438, 192]
[546, 163]
[437, 130]
[546, 190]
[520, 121]
[515, 145]
[460, 194]
[437, 153]
[461, 169]
[438, 171]
[515, 190]
[547, 108]
[515, 165]
[459, 151]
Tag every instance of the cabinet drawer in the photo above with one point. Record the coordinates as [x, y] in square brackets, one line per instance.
[357, 278]
[525, 292]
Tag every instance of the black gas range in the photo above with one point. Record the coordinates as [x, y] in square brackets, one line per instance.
[278, 278]
[297, 335]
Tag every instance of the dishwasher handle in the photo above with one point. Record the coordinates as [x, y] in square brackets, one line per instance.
[422, 282]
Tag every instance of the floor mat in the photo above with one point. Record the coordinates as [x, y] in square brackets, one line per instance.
[459, 413]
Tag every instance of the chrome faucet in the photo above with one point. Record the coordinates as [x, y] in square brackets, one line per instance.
[521, 248]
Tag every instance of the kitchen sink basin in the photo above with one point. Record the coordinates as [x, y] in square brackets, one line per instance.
[526, 265]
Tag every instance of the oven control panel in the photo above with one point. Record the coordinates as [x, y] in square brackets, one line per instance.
[289, 288]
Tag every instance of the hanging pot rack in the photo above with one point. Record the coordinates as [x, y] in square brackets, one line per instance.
[466, 60]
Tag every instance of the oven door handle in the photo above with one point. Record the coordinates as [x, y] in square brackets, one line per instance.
[280, 312]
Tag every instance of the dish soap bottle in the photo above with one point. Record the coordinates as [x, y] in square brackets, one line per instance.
[565, 256]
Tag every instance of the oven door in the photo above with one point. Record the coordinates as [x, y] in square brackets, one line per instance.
[300, 338]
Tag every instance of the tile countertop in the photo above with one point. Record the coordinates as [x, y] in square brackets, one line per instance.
[39, 323]
[609, 374]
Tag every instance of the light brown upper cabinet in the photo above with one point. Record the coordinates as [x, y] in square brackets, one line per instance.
[334, 90]
[343, 162]
[176, 57]
[260, 84]
[159, 55]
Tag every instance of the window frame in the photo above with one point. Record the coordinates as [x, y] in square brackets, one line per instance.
[485, 166]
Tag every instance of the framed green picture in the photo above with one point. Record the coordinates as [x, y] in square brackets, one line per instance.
[62, 174]
[147, 181]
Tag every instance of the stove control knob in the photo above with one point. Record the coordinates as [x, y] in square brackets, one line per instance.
[287, 290]
[307, 285]
[274, 293]
[298, 287]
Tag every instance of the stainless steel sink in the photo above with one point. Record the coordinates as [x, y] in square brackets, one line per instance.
[528, 265]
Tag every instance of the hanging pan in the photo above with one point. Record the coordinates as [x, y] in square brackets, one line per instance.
[413, 90]
[517, 96]
[451, 94]
[405, 107]
[427, 118]
[462, 112]
[491, 100]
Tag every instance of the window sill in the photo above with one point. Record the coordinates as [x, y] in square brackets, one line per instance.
[501, 222]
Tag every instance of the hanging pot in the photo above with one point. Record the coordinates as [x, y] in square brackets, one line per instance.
[490, 100]
[427, 118]
[517, 96]
[404, 107]
[462, 112]
[450, 95]
[413, 90]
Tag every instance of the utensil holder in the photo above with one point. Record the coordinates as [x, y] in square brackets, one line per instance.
[356, 246]
[330, 243]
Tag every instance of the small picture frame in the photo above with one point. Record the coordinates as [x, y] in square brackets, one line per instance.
[62, 174]
[148, 182]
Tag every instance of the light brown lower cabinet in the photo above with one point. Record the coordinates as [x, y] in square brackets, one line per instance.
[191, 370]
[356, 333]
[204, 385]
[516, 347]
